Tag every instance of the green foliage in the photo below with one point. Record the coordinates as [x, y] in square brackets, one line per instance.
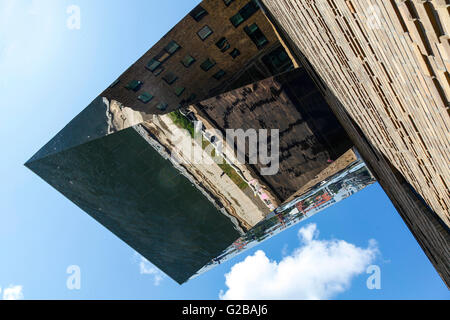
[182, 122]
[229, 171]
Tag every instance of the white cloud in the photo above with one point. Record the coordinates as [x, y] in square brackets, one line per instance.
[308, 233]
[319, 269]
[284, 251]
[145, 267]
[13, 293]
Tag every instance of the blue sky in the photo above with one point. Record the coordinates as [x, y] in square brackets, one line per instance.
[48, 75]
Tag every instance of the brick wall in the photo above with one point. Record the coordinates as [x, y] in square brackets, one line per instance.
[384, 65]
[194, 79]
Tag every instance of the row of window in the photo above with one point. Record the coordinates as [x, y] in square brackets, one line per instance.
[243, 14]
[253, 31]
[170, 77]
[145, 97]
[155, 64]
[199, 12]
[224, 45]
[162, 56]
[246, 12]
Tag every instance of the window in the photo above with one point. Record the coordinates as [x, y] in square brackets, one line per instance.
[153, 64]
[207, 64]
[278, 61]
[158, 71]
[198, 13]
[165, 54]
[114, 83]
[169, 77]
[227, 2]
[162, 56]
[134, 85]
[172, 47]
[236, 20]
[223, 44]
[179, 91]
[235, 53]
[256, 35]
[219, 74]
[162, 106]
[145, 97]
[249, 9]
[188, 61]
[205, 32]
[191, 98]
[246, 12]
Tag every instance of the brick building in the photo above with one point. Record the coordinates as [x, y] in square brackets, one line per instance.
[220, 45]
[381, 70]
[383, 67]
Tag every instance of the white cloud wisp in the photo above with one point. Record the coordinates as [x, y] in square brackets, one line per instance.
[13, 293]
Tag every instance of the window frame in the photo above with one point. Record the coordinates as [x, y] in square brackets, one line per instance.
[158, 64]
[167, 48]
[245, 12]
[219, 74]
[208, 35]
[198, 13]
[223, 44]
[147, 97]
[134, 85]
[179, 91]
[158, 71]
[211, 65]
[191, 63]
[237, 24]
[228, 2]
[235, 50]
[253, 37]
[162, 106]
[170, 77]
[249, 9]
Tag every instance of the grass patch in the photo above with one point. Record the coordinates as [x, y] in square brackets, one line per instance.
[205, 144]
[229, 171]
[182, 122]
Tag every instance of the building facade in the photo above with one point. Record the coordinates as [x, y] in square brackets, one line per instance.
[251, 65]
[310, 137]
[383, 67]
[219, 46]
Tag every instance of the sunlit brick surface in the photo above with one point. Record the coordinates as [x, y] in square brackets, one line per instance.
[388, 63]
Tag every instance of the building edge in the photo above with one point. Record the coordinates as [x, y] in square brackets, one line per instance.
[431, 233]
